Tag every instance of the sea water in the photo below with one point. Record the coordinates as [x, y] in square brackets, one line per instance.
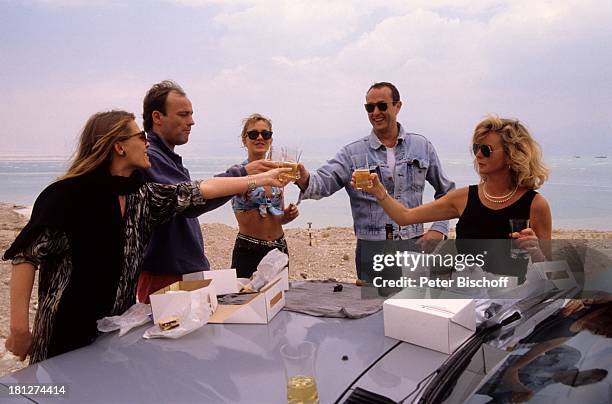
[579, 190]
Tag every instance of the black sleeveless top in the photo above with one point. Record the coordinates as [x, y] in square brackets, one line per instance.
[492, 228]
[479, 222]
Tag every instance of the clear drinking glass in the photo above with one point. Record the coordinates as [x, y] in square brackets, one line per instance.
[516, 225]
[299, 362]
[288, 157]
[362, 172]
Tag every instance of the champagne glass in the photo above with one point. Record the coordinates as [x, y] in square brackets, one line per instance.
[288, 157]
[516, 225]
[299, 362]
[362, 172]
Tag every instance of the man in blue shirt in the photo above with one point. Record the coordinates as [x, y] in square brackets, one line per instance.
[403, 162]
[176, 247]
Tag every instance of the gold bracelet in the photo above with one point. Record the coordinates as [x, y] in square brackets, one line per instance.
[384, 197]
[251, 184]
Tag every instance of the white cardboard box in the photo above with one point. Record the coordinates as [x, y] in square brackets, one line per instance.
[167, 303]
[224, 279]
[260, 309]
[438, 324]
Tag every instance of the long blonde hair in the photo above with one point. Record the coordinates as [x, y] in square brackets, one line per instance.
[523, 152]
[99, 134]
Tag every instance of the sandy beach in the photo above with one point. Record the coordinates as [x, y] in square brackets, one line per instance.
[331, 255]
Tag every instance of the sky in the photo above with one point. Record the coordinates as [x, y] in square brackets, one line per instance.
[307, 65]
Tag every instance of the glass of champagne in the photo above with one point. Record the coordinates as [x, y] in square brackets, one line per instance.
[516, 225]
[288, 157]
[362, 172]
[299, 362]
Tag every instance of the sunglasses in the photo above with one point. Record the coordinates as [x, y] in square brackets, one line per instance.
[254, 134]
[382, 106]
[142, 134]
[485, 149]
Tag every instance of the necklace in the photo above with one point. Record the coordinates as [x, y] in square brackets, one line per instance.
[497, 199]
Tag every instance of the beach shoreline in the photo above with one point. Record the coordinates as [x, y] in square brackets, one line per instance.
[331, 256]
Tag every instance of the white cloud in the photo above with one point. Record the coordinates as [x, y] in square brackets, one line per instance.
[308, 64]
[513, 62]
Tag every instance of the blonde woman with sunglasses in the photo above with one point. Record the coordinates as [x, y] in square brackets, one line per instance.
[509, 163]
[88, 233]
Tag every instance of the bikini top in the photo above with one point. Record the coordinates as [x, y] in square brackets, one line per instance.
[257, 199]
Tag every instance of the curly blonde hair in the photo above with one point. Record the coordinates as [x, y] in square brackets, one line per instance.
[250, 120]
[523, 152]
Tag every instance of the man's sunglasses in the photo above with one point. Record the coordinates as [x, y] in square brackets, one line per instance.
[142, 134]
[485, 149]
[382, 106]
[254, 134]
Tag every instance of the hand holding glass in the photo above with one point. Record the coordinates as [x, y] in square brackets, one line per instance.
[288, 157]
[362, 172]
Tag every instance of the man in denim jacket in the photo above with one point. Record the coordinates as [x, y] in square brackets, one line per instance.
[403, 162]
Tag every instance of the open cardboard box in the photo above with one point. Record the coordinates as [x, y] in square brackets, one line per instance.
[260, 308]
[224, 279]
[438, 324]
[165, 303]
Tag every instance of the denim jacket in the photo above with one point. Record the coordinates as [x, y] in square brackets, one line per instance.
[416, 161]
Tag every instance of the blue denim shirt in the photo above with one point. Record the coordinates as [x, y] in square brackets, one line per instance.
[416, 161]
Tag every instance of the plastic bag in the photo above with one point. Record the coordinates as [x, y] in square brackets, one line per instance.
[190, 318]
[185, 327]
[136, 315]
[270, 266]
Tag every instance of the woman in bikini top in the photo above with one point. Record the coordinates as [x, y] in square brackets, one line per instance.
[260, 211]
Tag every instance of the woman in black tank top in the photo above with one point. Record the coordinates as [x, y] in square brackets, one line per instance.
[491, 227]
[509, 163]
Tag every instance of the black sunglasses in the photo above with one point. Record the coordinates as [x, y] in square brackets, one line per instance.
[485, 149]
[382, 106]
[142, 134]
[254, 134]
